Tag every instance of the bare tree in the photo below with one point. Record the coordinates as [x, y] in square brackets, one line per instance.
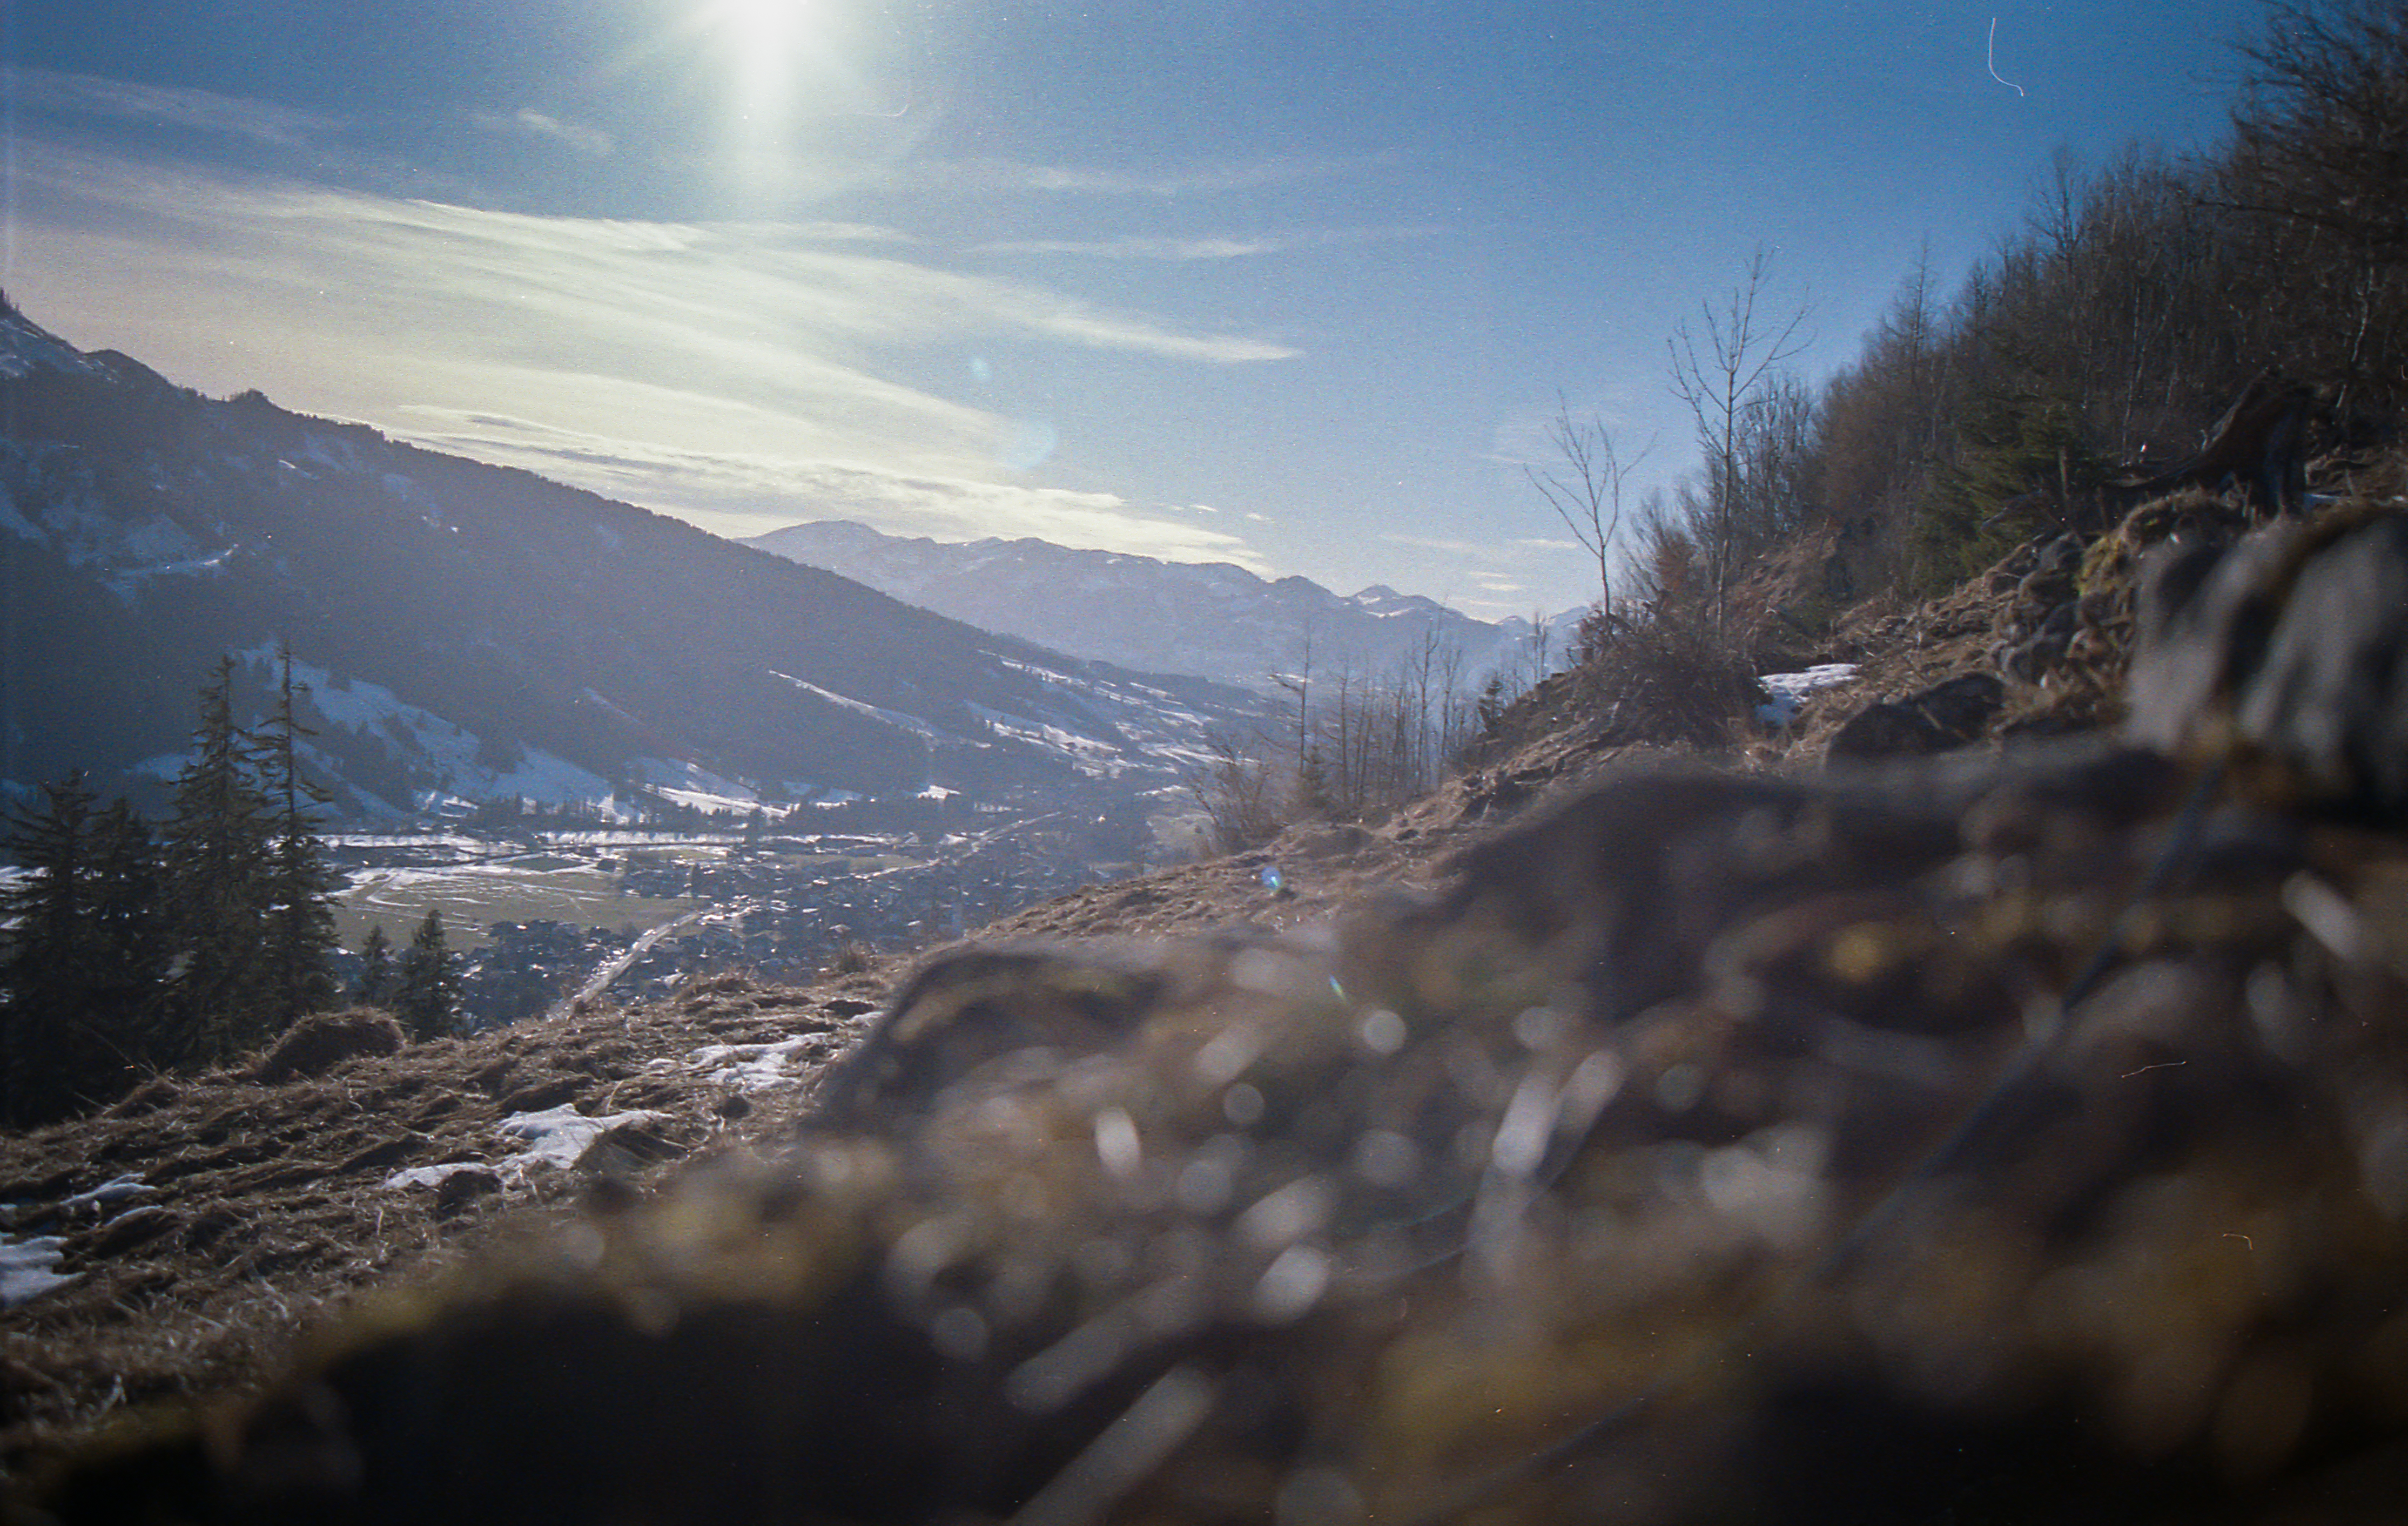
[1240, 794]
[1300, 683]
[1585, 489]
[1716, 373]
[2319, 135]
[1543, 640]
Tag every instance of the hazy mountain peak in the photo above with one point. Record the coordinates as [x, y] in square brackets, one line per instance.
[1213, 619]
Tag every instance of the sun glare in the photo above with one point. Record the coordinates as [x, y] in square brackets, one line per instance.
[763, 38]
[761, 23]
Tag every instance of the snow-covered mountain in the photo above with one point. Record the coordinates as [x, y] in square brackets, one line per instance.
[1211, 620]
[471, 632]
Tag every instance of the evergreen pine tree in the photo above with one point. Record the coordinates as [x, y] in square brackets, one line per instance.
[44, 1060]
[428, 999]
[2013, 439]
[376, 987]
[1314, 800]
[219, 865]
[1492, 705]
[129, 930]
[296, 953]
[83, 958]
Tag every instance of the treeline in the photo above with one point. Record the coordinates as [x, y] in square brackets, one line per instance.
[1356, 740]
[131, 948]
[2137, 300]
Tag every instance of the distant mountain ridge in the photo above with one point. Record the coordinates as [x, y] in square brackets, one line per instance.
[477, 633]
[1212, 619]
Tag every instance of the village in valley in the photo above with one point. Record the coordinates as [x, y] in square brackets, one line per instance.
[540, 911]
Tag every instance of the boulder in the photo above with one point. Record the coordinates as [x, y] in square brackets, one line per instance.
[1947, 715]
[2291, 646]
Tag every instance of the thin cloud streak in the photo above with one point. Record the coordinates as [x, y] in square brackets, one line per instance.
[1434, 543]
[528, 122]
[1140, 248]
[194, 110]
[1005, 176]
[1226, 247]
[781, 312]
[742, 494]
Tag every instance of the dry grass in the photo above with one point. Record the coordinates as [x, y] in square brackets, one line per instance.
[266, 1207]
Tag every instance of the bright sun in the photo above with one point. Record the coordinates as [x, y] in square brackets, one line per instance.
[762, 38]
[760, 24]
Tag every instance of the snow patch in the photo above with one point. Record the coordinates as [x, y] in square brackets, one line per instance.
[555, 1137]
[450, 751]
[1789, 689]
[117, 1189]
[752, 1067]
[893, 718]
[29, 1268]
[691, 785]
[558, 1136]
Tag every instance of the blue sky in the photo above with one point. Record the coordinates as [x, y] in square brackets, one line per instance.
[1293, 284]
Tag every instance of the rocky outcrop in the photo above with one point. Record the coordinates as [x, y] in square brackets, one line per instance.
[1947, 715]
[2292, 645]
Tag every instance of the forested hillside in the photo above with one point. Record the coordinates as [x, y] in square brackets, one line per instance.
[2140, 298]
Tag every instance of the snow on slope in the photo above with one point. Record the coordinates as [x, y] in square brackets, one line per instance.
[26, 347]
[449, 750]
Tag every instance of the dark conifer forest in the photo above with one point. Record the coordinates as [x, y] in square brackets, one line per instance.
[136, 947]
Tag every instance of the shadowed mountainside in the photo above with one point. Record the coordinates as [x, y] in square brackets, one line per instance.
[491, 634]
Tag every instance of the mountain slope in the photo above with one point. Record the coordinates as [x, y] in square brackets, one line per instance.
[506, 628]
[1214, 620]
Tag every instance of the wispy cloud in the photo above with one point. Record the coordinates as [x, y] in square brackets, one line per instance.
[528, 122]
[194, 110]
[1222, 247]
[749, 493]
[785, 310]
[647, 360]
[990, 176]
[1139, 248]
[820, 233]
[1434, 543]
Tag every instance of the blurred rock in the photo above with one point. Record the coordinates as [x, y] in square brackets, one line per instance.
[2293, 643]
[1944, 715]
